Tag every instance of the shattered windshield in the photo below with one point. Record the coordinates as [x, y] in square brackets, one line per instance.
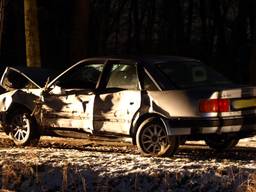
[192, 74]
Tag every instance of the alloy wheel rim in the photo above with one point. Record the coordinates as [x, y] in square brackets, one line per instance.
[154, 139]
[20, 128]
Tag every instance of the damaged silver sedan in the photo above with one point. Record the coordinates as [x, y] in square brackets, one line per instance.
[157, 102]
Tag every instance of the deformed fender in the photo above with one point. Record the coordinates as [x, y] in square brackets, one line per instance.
[6, 101]
[21, 97]
[11, 100]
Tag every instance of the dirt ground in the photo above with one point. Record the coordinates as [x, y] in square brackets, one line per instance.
[59, 164]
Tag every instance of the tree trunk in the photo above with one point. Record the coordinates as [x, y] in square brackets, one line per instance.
[2, 14]
[190, 20]
[80, 30]
[137, 26]
[252, 64]
[32, 34]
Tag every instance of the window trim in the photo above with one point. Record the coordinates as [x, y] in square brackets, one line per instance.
[82, 62]
[152, 79]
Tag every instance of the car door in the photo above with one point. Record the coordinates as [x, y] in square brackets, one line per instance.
[69, 105]
[116, 105]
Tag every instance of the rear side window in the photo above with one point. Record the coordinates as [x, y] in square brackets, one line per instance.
[191, 74]
[123, 76]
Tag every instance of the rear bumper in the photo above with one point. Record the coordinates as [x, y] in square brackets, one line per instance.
[192, 126]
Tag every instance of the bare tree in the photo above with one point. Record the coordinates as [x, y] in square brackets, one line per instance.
[32, 34]
[252, 25]
[2, 15]
[80, 30]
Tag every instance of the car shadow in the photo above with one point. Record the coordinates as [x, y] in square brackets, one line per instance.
[202, 152]
[192, 151]
[195, 152]
[92, 147]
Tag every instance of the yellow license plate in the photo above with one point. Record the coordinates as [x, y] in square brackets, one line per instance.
[244, 103]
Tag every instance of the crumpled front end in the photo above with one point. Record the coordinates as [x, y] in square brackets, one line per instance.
[12, 99]
[5, 103]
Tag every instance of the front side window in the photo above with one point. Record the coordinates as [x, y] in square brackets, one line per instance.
[81, 77]
[123, 76]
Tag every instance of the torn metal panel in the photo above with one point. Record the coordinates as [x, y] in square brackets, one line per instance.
[24, 97]
[114, 112]
[6, 101]
[70, 110]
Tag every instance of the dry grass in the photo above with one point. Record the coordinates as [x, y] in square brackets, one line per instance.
[53, 168]
[248, 185]
[65, 178]
[22, 177]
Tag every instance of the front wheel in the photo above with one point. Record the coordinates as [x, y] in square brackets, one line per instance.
[152, 139]
[221, 142]
[22, 128]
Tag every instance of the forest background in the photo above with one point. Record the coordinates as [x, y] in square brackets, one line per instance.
[58, 33]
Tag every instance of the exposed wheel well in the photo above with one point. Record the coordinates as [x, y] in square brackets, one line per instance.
[139, 121]
[14, 107]
[21, 126]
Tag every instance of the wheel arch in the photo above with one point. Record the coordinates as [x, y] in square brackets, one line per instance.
[142, 119]
[15, 106]
[32, 130]
[10, 111]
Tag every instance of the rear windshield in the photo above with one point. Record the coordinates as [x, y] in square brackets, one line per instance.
[189, 74]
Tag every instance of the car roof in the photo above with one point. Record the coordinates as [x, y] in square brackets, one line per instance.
[148, 59]
[171, 59]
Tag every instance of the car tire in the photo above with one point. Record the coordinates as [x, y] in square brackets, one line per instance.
[152, 139]
[221, 142]
[22, 128]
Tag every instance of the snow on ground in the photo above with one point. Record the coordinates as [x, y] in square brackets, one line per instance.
[79, 165]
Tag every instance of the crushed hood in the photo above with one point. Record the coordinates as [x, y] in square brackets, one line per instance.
[21, 78]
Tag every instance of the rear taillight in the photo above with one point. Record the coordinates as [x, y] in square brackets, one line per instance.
[214, 105]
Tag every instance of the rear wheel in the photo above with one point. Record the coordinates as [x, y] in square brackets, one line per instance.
[23, 128]
[152, 139]
[221, 142]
